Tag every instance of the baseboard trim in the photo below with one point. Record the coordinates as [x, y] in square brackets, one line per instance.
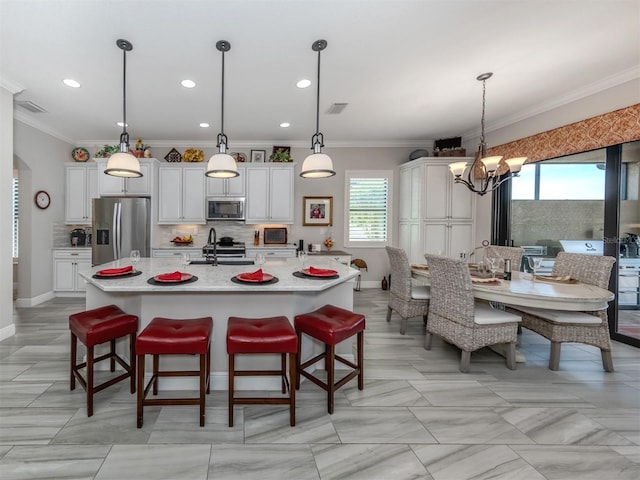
[7, 332]
[33, 301]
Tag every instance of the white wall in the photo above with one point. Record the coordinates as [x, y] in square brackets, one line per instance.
[6, 174]
[40, 158]
[348, 159]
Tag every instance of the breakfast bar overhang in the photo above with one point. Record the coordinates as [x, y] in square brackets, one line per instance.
[215, 294]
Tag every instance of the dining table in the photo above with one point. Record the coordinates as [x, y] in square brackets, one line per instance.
[526, 290]
[540, 292]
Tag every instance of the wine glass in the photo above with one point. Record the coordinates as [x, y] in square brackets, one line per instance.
[534, 264]
[302, 258]
[493, 263]
[260, 259]
[134, 256]
[185, 259]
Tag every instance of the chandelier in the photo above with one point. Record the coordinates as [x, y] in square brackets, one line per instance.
[483, 174]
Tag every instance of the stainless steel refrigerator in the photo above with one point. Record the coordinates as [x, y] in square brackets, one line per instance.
[120, 224]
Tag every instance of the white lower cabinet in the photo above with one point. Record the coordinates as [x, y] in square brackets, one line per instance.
[270, 194]
[67, 263]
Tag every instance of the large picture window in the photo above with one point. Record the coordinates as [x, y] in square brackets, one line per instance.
[368, 211]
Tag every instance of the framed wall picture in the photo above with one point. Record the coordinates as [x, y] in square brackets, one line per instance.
[317, 211]
[258, 156]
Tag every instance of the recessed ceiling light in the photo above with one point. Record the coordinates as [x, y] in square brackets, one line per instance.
[304, 83]
[188, 83]
[71, 83]
[285, 124]
[204, 125]
[120, 124]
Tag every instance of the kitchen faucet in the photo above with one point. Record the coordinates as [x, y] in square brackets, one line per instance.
[213, 235]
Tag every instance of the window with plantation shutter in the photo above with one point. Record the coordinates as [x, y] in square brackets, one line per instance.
[14, 224]
[368, 208]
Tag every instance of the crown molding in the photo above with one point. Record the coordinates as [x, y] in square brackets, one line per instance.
[268, 144]
[29, 120]
[12, 87]
[594, 88]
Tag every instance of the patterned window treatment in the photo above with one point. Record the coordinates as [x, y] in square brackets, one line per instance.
[611, 128]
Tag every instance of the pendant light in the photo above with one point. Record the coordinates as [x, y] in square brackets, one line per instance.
[318, 164]
[123, 163]
[222, 165]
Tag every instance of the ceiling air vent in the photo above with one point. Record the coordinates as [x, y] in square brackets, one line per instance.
[29, 105]
[337, 108]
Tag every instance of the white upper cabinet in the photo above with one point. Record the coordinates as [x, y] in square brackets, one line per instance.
[270, 193]
[228, 187]
[436, 215]
[181, 194]
[80, 187]
[109, 185]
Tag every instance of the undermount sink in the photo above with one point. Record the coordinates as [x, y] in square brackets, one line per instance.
[239, 261]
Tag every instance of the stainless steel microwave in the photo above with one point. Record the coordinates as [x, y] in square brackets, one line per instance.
[225, 208]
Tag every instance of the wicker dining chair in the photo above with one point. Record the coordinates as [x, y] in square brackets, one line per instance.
[455, 316]
[558, 326]
[406, 299]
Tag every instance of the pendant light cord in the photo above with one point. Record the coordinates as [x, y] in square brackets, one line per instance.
[222, 99]
[124, 92]
[318, 97]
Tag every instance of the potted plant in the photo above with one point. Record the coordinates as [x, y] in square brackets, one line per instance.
[281, 154]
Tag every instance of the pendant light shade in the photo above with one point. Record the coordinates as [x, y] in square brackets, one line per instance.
[123, 164]
[318, 164]
[221, 164]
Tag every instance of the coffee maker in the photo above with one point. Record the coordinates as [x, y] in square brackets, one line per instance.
[78, 237]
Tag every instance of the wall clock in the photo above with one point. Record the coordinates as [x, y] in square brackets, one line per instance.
[42, 199]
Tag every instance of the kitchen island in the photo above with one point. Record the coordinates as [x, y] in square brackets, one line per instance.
[215, 294]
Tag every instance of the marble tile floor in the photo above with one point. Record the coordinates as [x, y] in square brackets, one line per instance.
[417, 418]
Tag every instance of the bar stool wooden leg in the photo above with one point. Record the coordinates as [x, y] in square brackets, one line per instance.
[330, 366]
[90, 381]
[112, 346]
[232, 369]
[293, 359]
[74, 356]
[141, 392]
[132, 361]
[203, 386]
[360, 353]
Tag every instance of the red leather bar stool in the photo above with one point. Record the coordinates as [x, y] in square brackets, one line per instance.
[262, 336]
[331, 325]
[93, 327]
[167, 336]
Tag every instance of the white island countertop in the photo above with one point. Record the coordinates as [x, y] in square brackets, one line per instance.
[215, 294]
[218, 278]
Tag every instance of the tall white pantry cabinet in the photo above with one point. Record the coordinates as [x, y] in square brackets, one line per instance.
[436, 215]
